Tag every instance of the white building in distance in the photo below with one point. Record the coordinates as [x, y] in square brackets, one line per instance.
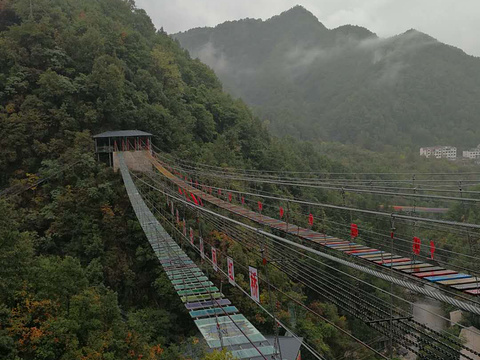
[472, 153]
[439, 152]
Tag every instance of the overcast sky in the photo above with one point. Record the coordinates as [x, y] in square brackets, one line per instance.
[455, 22]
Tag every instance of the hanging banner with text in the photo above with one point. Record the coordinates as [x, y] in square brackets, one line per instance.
[231, 271]
[254, 288]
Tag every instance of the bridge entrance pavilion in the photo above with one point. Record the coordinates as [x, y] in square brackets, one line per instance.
[135, 144]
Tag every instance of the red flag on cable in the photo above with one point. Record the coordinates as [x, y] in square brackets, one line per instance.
[230, 197]
[260, 206]
[243, 200]
[432, 248]
[281, 212]
[200, 201]
[353, 230]
[416, 245]
[310, 219]
[194, 199]
[180, 190]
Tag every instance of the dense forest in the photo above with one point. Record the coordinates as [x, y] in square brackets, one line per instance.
[345, 84]
[78, 278]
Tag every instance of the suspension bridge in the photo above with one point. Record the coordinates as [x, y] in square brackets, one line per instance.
[168, 193]
[391, 321]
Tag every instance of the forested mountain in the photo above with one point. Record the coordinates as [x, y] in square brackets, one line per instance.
[78, 280]
[345, 84]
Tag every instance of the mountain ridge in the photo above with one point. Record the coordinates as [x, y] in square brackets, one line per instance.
[345, 84]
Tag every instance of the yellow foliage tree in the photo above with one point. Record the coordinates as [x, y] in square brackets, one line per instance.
[219, 355]
[167, 68]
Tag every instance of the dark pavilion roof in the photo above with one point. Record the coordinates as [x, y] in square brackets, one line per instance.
[121, 133]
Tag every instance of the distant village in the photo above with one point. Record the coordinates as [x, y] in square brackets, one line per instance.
[450, 153]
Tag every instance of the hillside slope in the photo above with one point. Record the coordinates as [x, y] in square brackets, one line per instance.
[79, 280]
[345, 84]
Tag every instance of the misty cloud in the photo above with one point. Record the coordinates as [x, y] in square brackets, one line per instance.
[380, 50]
[391, 73]
[389, 57]
[301, 57]
[217, 60]
[213, 58]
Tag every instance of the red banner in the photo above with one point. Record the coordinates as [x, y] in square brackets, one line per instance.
[310, 219]
[281, 212]
[260, 206]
